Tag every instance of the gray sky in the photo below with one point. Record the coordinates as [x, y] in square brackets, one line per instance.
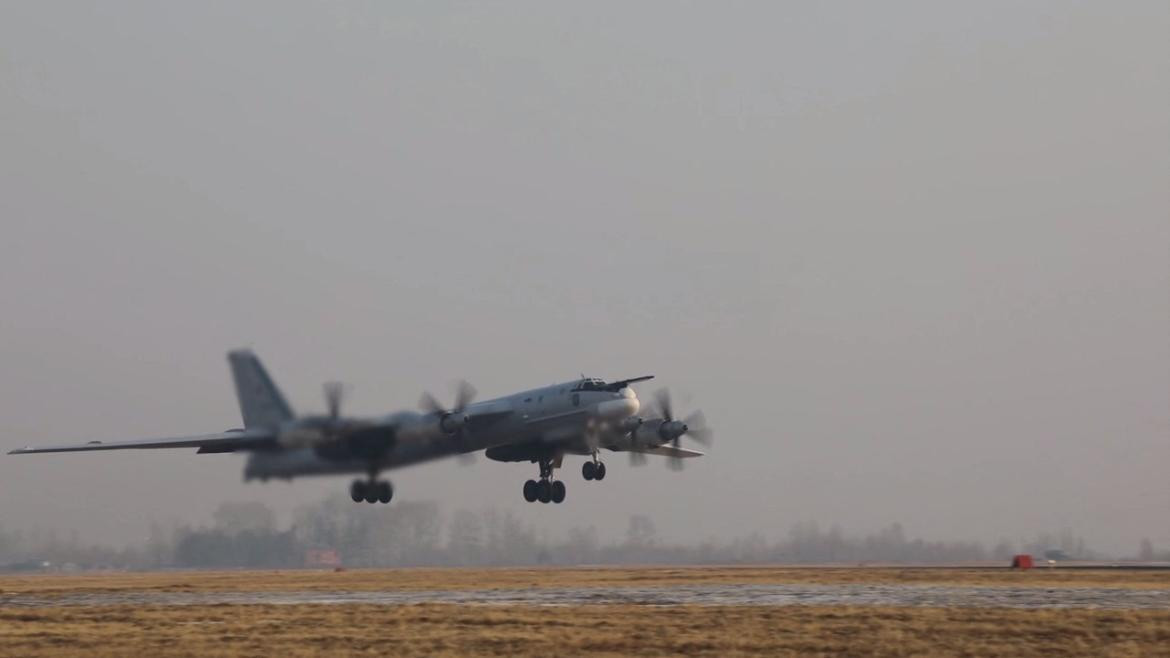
[912, 259]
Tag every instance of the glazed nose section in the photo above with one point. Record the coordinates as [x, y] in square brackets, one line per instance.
[624, 406]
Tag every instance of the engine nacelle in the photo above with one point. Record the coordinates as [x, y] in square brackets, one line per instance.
[453, 422]
[430, 426]
[646, 434]
[671, 430]
[653, 432]
[300, 436]
[311, 431]
[418, 428]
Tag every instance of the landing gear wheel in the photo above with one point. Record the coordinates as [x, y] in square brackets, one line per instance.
[544, 491]
[530, 491]
[357, 491]
[589, 470]
[599, 472]
[558, 492]
[385, 491]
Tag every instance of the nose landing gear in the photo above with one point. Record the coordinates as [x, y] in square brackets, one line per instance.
[593, 470]
[546, 490]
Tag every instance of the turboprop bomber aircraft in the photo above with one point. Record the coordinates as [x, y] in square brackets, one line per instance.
[542, 425]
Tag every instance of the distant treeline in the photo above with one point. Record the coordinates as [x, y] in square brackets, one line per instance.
[418, 534]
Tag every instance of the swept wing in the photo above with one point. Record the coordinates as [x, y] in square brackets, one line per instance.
[221, 442]
[668, 450]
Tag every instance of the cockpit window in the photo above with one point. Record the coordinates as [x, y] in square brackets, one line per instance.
[590, 385]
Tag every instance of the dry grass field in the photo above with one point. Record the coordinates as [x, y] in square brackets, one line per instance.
[609, 629]
[512, 578]
[431, 630]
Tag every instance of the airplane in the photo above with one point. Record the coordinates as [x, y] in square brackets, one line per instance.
[541, 426]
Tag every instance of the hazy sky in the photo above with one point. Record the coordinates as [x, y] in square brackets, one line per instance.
[911, 258]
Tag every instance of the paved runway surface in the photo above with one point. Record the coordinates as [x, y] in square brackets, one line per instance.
[769, 595]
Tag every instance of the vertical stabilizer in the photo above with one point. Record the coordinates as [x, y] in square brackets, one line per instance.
[261, 403]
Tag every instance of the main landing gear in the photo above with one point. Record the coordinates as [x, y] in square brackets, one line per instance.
[546, 490]
[593, 470]
[371, 491]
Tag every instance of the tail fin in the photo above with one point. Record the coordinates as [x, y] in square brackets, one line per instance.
[261, 403]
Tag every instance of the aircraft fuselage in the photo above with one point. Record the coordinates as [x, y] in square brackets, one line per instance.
[553, 416]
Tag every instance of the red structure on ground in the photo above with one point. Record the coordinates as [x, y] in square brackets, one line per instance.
[1022, 561]
[326, 557]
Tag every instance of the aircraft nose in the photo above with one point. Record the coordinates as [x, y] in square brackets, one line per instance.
[623, 407]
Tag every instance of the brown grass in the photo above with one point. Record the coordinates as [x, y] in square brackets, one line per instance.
[510, 578]
[601, 630]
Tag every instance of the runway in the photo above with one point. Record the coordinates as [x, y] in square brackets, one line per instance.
[705, 595]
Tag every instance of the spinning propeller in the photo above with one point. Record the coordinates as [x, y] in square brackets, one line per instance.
[318, 430]
[694, 426]
[452, 420]
[334, 392]
[637, 458]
